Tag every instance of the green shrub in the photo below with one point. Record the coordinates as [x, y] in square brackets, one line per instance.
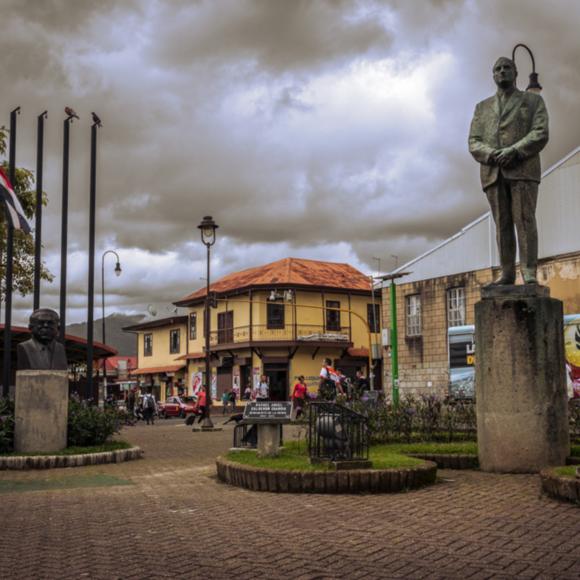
[89, 426]
[6, 425]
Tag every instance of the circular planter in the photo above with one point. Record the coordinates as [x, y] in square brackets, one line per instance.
[52, 461]
[449, 460]
[342, 481]
[560, 487]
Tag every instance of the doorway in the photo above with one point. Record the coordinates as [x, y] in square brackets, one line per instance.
[277, 374]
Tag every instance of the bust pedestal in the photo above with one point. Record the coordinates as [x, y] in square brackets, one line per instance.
[41, 411]
[522, 415]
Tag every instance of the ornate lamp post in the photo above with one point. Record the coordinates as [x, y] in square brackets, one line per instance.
[208, 228]
[534, 85]
[117, 273]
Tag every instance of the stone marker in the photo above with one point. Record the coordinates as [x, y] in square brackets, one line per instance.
[268, 440]
[522, 423]
[41, 411]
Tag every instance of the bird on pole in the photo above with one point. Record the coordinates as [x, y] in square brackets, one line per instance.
[96, 120]
[71, 113]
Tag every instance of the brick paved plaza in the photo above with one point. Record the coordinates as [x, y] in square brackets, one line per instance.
[168, 517]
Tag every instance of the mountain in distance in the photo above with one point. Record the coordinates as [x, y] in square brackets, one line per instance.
[124, 342]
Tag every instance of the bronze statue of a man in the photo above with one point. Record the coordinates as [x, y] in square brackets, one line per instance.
[42, 351]
[508, 131]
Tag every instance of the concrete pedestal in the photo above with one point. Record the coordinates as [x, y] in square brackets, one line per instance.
[268, 440]
[522, 415]
[41, 411]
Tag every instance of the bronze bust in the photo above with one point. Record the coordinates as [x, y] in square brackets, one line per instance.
[42, 351]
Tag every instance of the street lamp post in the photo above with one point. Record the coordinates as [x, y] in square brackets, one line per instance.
[103, 337]
[534, 85]
[208, 228]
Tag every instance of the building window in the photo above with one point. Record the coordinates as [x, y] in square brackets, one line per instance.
[275, 315]
[413, 304]
[225, 327]
[147, 344]
[332, 316]
[374, 317]
[192, 325]
[174, 341]
[456, 307]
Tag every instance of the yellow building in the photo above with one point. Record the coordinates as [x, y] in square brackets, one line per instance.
[281, 320]
[161, 345]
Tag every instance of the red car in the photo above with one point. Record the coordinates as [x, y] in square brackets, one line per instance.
[176, 407]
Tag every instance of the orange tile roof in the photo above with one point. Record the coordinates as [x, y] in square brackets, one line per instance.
[289, 272]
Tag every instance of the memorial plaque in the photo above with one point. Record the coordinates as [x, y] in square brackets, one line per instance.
[268, 412]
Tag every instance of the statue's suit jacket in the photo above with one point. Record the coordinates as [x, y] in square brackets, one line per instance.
[523, 124]
[28, 359]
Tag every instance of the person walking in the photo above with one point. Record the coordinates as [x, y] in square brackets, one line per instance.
[299, 396]
[201, 405]
[149, 407]
[263, 389]
[328, 380]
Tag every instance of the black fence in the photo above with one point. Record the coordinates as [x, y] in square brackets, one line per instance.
[337, 433]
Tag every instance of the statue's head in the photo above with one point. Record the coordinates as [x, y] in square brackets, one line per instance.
[44, 325]
[505, 72]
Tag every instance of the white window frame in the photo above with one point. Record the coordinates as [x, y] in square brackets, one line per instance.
[456, 311]
[413, 315]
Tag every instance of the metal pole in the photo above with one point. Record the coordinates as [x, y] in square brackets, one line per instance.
[7, 374]
[371, 369]
[394, 343]
[101, 399]
[207, 422]
[91, 289]
[64, 227]
[38, 221]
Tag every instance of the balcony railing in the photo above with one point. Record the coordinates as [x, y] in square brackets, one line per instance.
[291, 332]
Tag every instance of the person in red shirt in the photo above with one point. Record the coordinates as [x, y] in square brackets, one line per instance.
[201, 404]
[299, 395]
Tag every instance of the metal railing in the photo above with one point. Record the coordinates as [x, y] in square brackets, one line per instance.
[261, 332]
[337, 433]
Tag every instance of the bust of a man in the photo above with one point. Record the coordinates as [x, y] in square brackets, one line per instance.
[42, 351]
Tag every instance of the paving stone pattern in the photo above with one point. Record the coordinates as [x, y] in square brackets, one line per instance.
[177, 521]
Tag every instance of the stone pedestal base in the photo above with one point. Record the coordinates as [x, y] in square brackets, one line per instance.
[522, 422]
[268, 440]
[41, 411]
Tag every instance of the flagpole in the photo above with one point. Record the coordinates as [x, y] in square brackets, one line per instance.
[7, 363]
[38, 224]
[91, 289]
[64, 226]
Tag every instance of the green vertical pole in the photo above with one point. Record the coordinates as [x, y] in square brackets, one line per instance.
[394, 344]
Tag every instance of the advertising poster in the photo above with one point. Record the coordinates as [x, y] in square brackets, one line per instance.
[572, 351]
[461, 362]
[196, 383]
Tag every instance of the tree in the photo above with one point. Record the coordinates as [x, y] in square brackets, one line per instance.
[23, 265]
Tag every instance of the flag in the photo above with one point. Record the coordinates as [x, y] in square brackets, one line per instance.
[14, 209]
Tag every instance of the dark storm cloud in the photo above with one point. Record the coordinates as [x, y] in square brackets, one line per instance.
[326, 129]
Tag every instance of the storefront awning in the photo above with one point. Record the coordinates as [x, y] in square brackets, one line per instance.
[158, 370]
[192, 356]
[358, 352]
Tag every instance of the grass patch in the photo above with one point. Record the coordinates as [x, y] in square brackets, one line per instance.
[463, 448]
[567, 471]
[294, 457]
[574, 450]
[110, 446]
[72, 482]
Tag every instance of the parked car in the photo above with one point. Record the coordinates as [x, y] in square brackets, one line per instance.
[175, 407]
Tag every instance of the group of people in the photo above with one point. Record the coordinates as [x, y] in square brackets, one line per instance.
[334, 382]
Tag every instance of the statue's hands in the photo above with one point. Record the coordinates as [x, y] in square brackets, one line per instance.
[493, 157]
[506, 157]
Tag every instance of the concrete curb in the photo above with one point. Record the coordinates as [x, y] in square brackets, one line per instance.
[347, 481]
[559, 487]
[449, 460]
[52, 461]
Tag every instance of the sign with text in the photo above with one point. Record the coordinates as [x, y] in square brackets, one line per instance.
[268, 412]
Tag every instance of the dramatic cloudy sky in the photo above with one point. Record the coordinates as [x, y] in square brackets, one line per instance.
[324, 129]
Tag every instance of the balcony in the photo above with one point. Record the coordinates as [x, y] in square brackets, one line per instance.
[260, 334]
